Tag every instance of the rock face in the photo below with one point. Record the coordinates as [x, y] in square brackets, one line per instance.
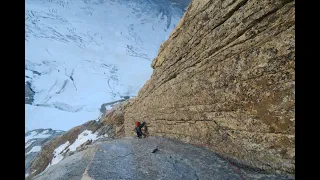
[77, 139]
[29, 93]
[114, 119]
[34, 140]
[131, 158]
[225, 78]
[46, 155]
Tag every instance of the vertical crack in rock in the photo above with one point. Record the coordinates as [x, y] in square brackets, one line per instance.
[226, 74]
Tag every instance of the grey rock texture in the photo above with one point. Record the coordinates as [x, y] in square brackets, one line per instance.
[113, 120]
[131, 158]
[107, 128]
[29, 93]
[71, 167]
[223, 79]
[45, 156]
[37, 141]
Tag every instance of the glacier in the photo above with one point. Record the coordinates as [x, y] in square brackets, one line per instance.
[80, 54]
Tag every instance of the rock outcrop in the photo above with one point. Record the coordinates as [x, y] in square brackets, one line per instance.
[225, 78]
[132, 158]
[34, 140]
[78, 139]
[113, 120]
[29, 93]
[46, 155]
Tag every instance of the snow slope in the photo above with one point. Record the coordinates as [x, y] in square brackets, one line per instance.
[83, 53]
[58, 153]
[34, 140]
[36, 134]
[34, 149]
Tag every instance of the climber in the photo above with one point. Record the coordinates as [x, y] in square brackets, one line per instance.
[138, 129]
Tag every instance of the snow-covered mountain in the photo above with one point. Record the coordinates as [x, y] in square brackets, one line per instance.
[34, 141]
[81, 54]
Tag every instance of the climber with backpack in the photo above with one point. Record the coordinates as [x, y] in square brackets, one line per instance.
[138, 129]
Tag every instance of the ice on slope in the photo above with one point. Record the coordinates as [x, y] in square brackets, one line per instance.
[82, 138]
[57, 154]
[81, 54]
[108, 107]
[29, 143]
[34, 149]
[34, 135]
[44, 117]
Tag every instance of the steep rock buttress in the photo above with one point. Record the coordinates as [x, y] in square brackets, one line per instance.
[225, 78]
